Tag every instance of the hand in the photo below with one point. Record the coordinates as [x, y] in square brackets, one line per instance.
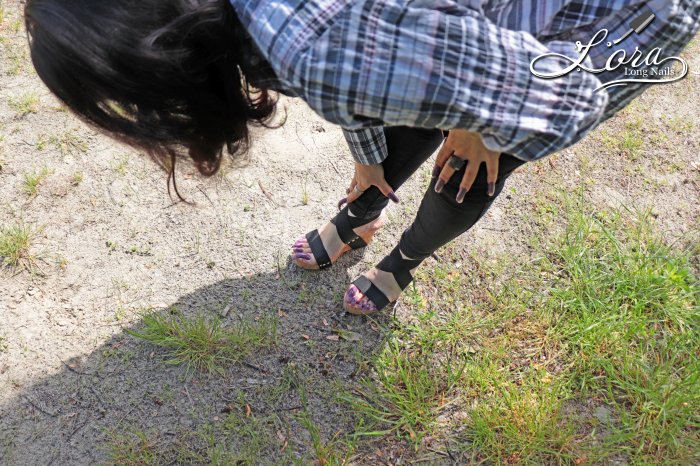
[365, 177]
[467, 146]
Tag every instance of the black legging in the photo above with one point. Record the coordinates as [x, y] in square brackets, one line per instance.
[440, 218]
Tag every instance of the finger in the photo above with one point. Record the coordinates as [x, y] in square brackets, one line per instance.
[468, 179]
[355, 194]
[353, 183]
[492, 172]
[443, 155]
[388, 191]
[445, 174]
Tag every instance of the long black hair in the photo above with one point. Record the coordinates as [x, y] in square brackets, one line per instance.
[161, 75]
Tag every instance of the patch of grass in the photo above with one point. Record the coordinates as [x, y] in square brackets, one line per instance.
[410, 386]
[132, 448]
[203, 343]
[25, 103]
[15, 242]
[520, 421]
[605, 317]
[32, 181]
[628, 314]
[3, 344]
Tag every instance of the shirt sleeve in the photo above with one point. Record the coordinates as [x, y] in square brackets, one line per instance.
[447, 66]
[367, 145]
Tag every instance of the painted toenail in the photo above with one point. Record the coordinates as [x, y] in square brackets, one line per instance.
[302, 256]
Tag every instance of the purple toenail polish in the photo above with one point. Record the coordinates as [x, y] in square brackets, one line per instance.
[436, 171]
[298, 249]
[394, 197]
[439, 185]
[342, 202]
[302, 256]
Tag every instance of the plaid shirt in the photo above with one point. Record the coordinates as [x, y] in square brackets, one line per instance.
[364, 64]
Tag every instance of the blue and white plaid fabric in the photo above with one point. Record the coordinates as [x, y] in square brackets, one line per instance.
[458, 64]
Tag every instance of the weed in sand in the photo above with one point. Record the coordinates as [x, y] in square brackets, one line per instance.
[203, 343]
[67, 143]
[15, 242]
[305, 191]
[3, 344]
[328, 452]
[32, 181]
[629, 141]
[132, 448]
[120, 167]
[678, 124]
[25, 103]
[17, 59]
[77, 178]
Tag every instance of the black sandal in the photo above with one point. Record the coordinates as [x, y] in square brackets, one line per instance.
[394, 264]
[344, 224]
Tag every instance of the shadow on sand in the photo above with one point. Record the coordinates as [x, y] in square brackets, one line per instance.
[125, 386]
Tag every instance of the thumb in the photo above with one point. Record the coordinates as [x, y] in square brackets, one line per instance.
[387, 190]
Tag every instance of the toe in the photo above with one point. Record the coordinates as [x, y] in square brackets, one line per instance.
[301, 246]
[358, 302]
[302, 256]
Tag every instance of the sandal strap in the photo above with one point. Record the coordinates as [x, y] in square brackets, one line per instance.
[345, 224]
[318, 249]
[399, 267]
[371, 291]
[394, 264]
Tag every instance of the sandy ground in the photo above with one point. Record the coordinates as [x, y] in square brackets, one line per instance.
[110, 244]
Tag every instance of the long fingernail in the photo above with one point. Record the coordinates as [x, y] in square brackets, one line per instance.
[302, 256]
[341, 202]
[439, 185]
[394, 197]
[492, 189]
[436, 171]
[460, 195]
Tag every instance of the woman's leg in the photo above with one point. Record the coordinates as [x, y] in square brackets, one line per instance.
[440, 219]
[408, 149]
